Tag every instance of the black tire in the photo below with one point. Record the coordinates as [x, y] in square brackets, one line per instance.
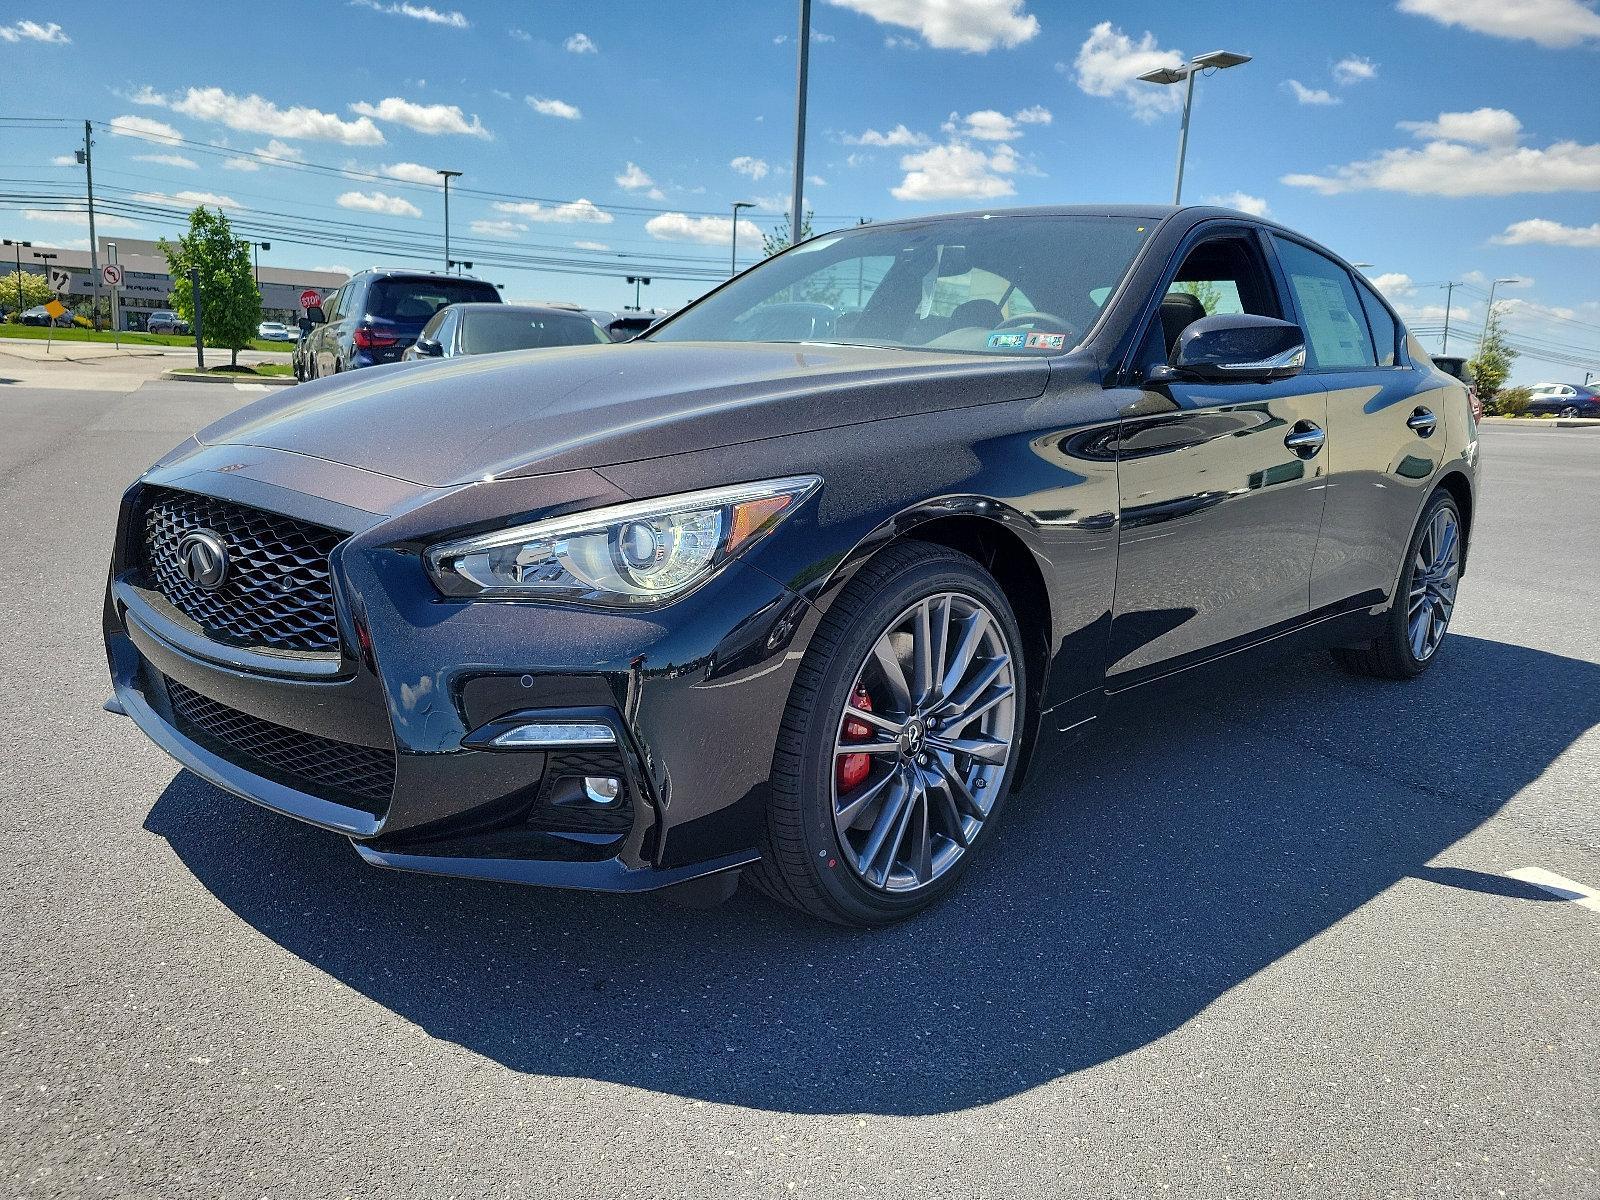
[1389, 655]
[802, 864]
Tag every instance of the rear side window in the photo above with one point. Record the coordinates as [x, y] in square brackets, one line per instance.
[402, 299]
[1335, 323]
[1385, 332]
[488, 332]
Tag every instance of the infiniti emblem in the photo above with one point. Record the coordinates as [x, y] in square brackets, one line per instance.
[203, 559]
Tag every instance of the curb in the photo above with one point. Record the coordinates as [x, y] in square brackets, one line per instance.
[1545, 422]
[242, 380]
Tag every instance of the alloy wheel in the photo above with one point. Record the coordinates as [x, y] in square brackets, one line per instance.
[933, 715]
[1434, 576]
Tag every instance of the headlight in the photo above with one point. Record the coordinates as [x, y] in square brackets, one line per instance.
[633, 554]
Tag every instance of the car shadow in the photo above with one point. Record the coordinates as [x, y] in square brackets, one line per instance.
[1145, 871]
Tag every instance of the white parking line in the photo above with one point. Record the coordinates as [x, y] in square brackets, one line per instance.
[1559, 886]
[251, 387]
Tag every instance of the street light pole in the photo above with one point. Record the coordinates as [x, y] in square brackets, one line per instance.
[800, 123]
[1449, 291]
[17, 246]
[733, 255]
[1217, 60]
[448, 176]
[1488, 314]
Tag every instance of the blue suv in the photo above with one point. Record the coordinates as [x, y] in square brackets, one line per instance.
[374, 317]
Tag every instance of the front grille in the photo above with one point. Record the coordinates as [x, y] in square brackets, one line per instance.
[277, 593]
[356, 775]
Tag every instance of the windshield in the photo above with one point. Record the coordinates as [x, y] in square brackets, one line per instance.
[399, 299]
[485, 331]
[1004, 284]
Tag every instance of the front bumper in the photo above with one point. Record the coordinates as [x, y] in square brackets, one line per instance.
[693, 692]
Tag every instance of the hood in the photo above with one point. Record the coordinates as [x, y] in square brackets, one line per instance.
[539, 411]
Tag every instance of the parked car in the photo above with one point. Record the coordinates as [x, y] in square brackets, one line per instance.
[380, 312]
[274, 331]
[620, 618]
[163, 321]
[299, 357]
[40, 316]
[1456, 366]
[630, 325]
[1564, 400]
[492, 328]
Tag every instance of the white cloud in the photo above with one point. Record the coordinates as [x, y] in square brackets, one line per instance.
[898, 136]
[707, 231]
[975, 26]
[1243, 201]
[185, 200]
[378, 202]
[754, 168]
[145, 128]
[1484, 126]
[410, 172]
[1308, 95]
[1541, 232]
[1553, 23]
[277, 149]
[241, 164]
[634, 178]
[1109, 64]
[252, 114]
[1491, 167]
[1034, 114]
[102, 220]
[1354, 69]
[554, 108]
[817, 36]
[499, 229]
[521, 35]
[816, 181]
[957, 171]
[1395, 284]
[67, 160]
[432, 119]
[32, 31]
[165, 160]
[586, 245]
[580, 43]
[986, 125]
[576, 212]
[417, 12]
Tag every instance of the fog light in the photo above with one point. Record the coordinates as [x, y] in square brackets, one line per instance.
[602, 789]
[540, 734]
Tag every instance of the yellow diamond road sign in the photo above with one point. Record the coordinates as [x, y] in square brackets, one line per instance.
[56, 309]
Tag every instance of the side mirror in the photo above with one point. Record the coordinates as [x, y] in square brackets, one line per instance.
[431, 349]
[315, 315]
[1237, 346]
[303, 324]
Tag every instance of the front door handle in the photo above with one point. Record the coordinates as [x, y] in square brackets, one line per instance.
[1423, 421]
[1305, 439]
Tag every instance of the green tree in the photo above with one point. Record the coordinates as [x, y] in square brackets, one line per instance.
[778, 239]
[230, 301]
[1491, 365]
[1203, 290]
[35, 291]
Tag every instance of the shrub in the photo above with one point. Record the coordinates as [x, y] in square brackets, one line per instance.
[1511, 402]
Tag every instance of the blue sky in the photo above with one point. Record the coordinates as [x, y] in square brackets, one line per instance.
[1434, 139]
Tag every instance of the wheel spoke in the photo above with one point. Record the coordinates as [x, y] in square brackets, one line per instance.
[921, 653]
[937, 784]
[866, 748]
[1419, 632]
[984, 750]
[920, 858]
[956, 705]
[894, 675]
[939, 615]
[902, 825]
[860, 800]
[967, 717]
[876, 720]
[888, 817]
[971, 638]
[959, 791]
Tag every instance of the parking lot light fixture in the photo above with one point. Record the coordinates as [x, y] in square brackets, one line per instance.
[17, 249]
[733, 254]
[1488, 313]
[448, 176]
[1216, 60]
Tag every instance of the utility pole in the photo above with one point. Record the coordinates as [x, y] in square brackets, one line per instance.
[795, 213]
[94, 250]
[448, 176]
[1449, 290]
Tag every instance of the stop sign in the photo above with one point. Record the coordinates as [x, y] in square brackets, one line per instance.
[309, 299]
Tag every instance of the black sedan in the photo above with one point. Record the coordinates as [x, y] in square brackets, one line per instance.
[1564, 400]
[797, 585]
[494, 328]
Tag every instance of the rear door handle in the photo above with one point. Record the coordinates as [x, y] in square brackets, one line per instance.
[1423, 421]
[1305, 439]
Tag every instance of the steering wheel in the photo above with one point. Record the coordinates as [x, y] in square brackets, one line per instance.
[1043, 318]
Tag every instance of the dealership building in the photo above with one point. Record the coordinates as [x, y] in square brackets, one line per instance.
[146, 285]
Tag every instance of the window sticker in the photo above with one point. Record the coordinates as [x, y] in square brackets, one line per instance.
[1046, 341]
[1008, 339]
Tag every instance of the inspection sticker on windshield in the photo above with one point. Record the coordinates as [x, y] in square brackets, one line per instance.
[1007, 340]
[1047, 341]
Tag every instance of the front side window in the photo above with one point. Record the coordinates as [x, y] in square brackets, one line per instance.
[1001, 284]
[1335, 325]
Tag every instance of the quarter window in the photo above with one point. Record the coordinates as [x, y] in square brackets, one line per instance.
[1335, 323]
[1385, 332]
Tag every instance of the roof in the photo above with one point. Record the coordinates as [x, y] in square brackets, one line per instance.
[550, 310]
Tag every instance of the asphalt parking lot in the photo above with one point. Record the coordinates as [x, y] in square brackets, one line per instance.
[1263, 939]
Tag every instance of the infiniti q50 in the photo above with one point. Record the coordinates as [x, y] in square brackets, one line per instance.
[797, 585]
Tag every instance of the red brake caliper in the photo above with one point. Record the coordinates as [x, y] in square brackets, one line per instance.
[853, 768]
